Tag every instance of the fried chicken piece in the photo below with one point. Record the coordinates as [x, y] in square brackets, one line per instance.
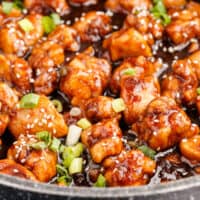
[140, 66]
[164, 124]
[42, 163]
[174, 4]
[83, 2]
[127, 6]
[103, 139]
[99, 108]
[43, 117]
[9, 167]
[147, 25]
[130, 168]
[14, 40]
[137, 93]
[182, 84]
[87, 77]
[118, 42]
[92, 26]
[190, 148]
[37, 6]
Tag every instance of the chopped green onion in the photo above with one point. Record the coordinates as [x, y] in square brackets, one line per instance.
[48, 24]
[55, 144]
[26, 25]
[84, 123]
[56, 18]
[159, 12]
[7, 7]
[118, 105]
[73, 135]
[101, 181]
[62, 148]
[29, 101]
[58, 105]
[76, 166]
[18, 4]
[147, 151]
[39, 145]
[129, 71]
[44, 136]
[67, 161]
[76, 150]
[198, 91]
[62, 171]
[63, 180]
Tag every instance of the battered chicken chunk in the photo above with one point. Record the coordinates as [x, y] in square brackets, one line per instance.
[83, 2]
[182, 84]
[127, 6]
[118, 42]
[15, 40]
[36, 6]
[42, 163]
[137, 93]
[174, 4]
[9, 167]
[164, 124]
[103, 139]
[130, 168]
[42, 117]
[93, 26]
[87, 76]
[99, 108]
[135, 66]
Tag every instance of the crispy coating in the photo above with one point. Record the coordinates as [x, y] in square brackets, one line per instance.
[194, 59]
[93, 26]
[127, 6]
[99, 108]
[83, 2]
[118, 41]
[43, 117]
[9, 167]
[164, 124]
[141, 65]
[147, 25]
[87, 76]
[190, 148]
[137, 93]
[37, 6]
[130, 168]
[14, 40]
[103, 139]
[42, 163]
[182, 84]
[174, 4]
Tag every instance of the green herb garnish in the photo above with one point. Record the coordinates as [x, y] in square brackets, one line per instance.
[147, 151]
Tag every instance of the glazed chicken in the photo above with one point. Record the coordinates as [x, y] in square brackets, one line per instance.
[174, 4]
[103, 139]
[42, 163]
[92, 26]
[35, 6]
[15, 40]
[118, 41]
[32, 120]
[130, 168]
[127, 6]
[87, 76]
[164, 124]
[83, 2]
[9, 167]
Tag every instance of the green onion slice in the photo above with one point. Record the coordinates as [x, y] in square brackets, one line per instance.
[48, 24]
[26, 25]
[56, 18]
[101, 181]
[198, 91]
[44, 136]
[55, 144]
[84, 123]
[147, 151]
[64, 180]
[18, 4]
[129, 71]
[118, 105]
[76, 166]
[62, 171]
[7, 7]
[39, 145]
[29, 101]
[58, 105]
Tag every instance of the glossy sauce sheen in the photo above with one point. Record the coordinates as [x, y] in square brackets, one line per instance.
[170, 164]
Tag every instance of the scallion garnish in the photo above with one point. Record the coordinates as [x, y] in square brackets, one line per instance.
[55, 144]
[7, 7]
[44, 136]
[64, 181]
[101, 181]
[29, 101]
[76, 166]
[58, 105]
[198, 91]
[118, 105]
[56, 18]
[73, 135]
[129, 71]
[84, 123]
[26, 25]
[62, 171]
[159, 12]
[39, 145]
[18, 4]
[147, 151]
